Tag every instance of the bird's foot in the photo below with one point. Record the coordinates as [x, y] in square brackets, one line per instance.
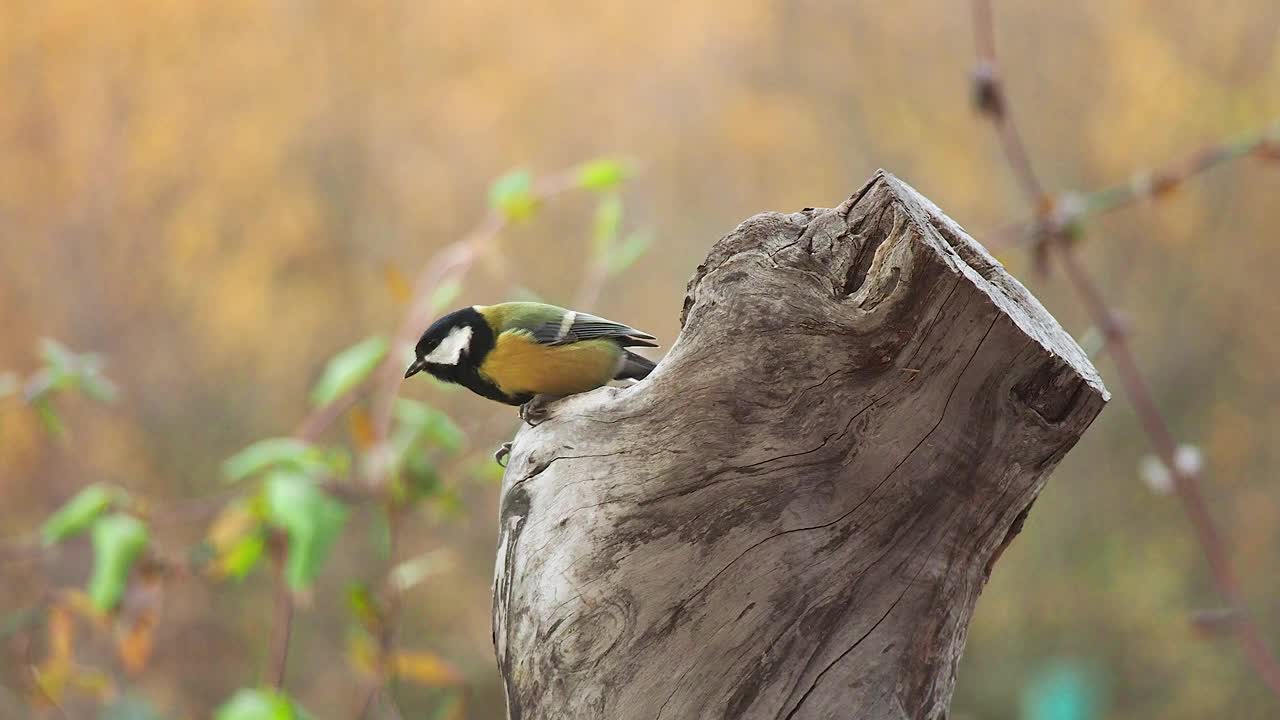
[502, 454]
[535, 410]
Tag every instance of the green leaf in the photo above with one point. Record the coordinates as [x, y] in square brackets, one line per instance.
[242, 557]
[420, 428]
[380, 524]
[129, 707]
[310, 518]
[78, 513]
[406, 575]
[118, 540]
[362, 605]
[90, 363]
[444, 295]
[336, 460]
[50, 418]
[428, 424]
[608, 219]
[513, 195]
[422, 479]
[451, 708]
[625, 255]
[43, 383]
[276, 453]
[448, 503]
[348, 369]
[487, 470]
[58, 356]
[260, 704]
[442, 432]
[602, 174]
[98, 387]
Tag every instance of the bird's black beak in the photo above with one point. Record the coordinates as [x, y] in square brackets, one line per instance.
[418, 366]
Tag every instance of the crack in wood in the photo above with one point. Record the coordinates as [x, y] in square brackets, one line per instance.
[893, 606]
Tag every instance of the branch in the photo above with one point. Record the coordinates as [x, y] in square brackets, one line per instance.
[990, 98]
[1069, 209]
[388, 621]
[451, 263]
[282, 625]
[1164, 180]
[1187, 484]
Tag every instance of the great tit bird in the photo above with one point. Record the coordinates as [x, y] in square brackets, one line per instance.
[519, 352]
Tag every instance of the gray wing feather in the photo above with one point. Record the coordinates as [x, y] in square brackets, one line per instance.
[590, 327]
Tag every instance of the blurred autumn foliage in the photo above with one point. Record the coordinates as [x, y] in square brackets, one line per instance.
[224, 210]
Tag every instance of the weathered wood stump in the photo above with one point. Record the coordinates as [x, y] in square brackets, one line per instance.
[793, 516]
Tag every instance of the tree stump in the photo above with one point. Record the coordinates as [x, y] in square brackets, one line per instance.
[793, 516]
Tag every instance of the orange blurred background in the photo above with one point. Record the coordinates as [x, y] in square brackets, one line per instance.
[212, 196]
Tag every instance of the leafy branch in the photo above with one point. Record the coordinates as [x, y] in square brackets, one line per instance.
[291, 496]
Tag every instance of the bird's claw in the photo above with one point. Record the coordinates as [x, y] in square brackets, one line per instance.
[534, 411]
[502, 454]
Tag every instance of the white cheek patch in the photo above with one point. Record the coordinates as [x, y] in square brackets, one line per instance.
[449, 351]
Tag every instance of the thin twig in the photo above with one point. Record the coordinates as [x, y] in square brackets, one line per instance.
[451, 264]
[389, 701]
[282, 622]
[991, 100]
[1187, 484]
[322, 417]
[1163, 180]
[990, 97]
[388, 619]
[393, 601]
[370, 698]
[592, 284]
[1073, 207]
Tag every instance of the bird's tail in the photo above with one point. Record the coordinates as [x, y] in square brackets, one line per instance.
[634, 367]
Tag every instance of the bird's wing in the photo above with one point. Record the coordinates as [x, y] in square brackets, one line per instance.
[575, 327]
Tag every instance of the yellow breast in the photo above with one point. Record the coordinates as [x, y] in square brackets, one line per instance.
[519, 365]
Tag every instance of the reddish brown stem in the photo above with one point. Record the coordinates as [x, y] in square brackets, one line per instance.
[322, 417]
[990, 96]
[389, 620]
[452, 263]
[282, 624]
[1187, 484]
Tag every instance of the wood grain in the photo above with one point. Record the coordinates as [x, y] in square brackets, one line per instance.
[793, 516]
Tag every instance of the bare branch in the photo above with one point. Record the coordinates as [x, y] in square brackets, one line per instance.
[1164, 180]
[1187, 484]
[282, 624]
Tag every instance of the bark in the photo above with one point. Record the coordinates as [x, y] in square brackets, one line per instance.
[793, 516]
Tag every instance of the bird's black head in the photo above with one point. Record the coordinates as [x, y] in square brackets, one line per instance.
[450, 342]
